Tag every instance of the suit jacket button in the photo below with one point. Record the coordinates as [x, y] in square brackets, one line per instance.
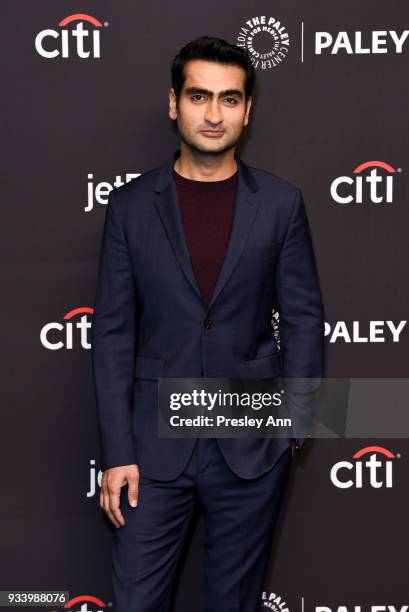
[208, 323]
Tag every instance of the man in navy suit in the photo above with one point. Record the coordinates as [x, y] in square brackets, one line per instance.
[195, 256]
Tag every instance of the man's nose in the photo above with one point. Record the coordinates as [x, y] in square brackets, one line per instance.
[213, 112]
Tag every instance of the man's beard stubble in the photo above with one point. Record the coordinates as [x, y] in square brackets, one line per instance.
[195, 146]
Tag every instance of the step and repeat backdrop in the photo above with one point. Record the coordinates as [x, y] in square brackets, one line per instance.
[84, 96]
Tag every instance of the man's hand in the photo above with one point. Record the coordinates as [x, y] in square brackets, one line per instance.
[112, 481]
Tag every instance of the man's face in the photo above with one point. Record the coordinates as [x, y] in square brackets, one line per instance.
[212, 111]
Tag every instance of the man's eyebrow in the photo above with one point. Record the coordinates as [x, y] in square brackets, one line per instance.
[225, 92]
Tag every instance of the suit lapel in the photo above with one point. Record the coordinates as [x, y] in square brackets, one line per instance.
[245, 211]
[168, 208]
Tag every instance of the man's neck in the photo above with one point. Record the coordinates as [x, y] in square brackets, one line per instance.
[198, 166]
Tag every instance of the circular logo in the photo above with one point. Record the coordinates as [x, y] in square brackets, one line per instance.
[271, 601]
[266, 41]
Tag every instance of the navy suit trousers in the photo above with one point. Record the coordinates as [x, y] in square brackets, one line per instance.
[239, 518]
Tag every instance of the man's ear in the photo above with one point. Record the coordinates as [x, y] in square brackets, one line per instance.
[172, 104]
[248, 106]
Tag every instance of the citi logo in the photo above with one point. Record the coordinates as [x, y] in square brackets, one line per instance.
[55, 335]
[79, 41]
[83, 600]
[371, 181]
[372, 467]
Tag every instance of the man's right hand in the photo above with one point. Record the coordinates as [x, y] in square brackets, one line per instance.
[112, 480]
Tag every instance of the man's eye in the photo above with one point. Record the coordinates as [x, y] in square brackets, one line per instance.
[231, 101]
[197, 96]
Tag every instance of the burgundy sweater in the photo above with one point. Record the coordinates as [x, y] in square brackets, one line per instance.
[207, 209]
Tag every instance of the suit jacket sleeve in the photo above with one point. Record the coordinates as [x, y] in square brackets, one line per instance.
[299, 301]
[113, 343]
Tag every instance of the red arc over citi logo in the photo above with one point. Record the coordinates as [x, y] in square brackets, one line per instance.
[84, 600]
[56, 335]
[371, 181]
[373, 472]
[82, 42]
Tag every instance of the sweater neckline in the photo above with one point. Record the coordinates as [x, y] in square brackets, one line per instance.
[223, 184]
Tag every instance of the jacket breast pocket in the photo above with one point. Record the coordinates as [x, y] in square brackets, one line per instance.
[259, 253]
[149, 368]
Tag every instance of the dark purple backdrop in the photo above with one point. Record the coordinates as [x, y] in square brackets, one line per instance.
[70, 122]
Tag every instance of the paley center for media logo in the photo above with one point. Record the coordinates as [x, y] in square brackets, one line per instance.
[72, 332]
[357, 332]
[371, 181]
[272, 601]
[360, 43]
[83, 40]
[266, 40]
[360, 608]
[371, 466]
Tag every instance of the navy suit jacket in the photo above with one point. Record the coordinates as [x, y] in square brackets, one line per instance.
[150, 319]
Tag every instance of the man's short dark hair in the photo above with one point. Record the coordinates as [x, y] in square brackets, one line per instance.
[214, 50]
